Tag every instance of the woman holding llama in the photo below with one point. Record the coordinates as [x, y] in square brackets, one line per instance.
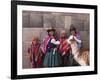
[75, 42]
[74, 37]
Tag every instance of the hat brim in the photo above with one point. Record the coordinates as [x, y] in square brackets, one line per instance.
[50, 30]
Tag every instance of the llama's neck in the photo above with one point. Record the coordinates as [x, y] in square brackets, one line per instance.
[74, 47]
[75, 52]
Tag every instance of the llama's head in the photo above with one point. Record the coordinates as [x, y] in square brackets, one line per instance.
[73, 41]
[74, 47]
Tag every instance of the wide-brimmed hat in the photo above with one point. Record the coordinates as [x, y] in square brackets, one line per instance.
[52, 29]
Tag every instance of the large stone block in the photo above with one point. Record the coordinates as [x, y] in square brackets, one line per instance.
[68, 22]
[49, 20]
[85, 44]
[84, 35]
[25, 19]
[60, 21]
[86, 25]
[36, 19]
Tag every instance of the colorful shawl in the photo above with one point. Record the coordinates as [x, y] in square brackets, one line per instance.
[44, 44]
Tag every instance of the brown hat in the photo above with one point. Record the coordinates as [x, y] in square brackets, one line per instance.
[51, 30]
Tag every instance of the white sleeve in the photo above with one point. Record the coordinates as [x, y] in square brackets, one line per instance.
[55, 42]
[70, 37]
[78, 40]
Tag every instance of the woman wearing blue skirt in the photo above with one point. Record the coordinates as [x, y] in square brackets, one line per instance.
[52, 58]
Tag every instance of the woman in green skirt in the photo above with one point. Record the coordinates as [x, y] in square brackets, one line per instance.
[52, 58]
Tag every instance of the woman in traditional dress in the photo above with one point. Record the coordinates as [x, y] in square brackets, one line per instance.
[75, 41]
[64, 49]
[52, 57]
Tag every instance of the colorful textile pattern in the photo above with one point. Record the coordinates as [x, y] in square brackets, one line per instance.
[35, 55]
[44, 44]
[64, 46]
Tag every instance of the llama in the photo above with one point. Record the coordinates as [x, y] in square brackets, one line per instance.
[81, 57]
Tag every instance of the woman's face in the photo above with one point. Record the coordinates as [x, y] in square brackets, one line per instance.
[63, 34]
[73, 32]
[34, 42]
[51, 33]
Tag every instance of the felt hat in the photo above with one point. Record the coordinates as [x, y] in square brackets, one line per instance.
[52, 29]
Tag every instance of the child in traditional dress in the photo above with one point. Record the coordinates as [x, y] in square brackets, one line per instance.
[52, 57]
[64, 49]
[35, 53]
